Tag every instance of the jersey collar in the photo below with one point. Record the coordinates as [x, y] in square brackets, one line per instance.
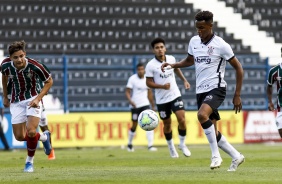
[206, 43]
[160, 60]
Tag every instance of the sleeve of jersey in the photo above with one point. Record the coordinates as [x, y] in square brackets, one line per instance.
[148, 71]
[270, 79]
[226, 51]
[129, 83]
[4, 70]
[42, 71]
[190, 50]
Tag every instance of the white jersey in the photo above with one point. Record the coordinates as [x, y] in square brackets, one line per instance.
[153, 69]
[210, 61]
[139, 90]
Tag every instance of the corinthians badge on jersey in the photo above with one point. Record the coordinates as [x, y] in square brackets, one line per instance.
[210, 50]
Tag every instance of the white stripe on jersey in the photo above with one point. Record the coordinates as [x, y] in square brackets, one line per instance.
[153, 69]
[210, 62]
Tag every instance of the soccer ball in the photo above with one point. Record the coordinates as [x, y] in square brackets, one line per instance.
[148, 120]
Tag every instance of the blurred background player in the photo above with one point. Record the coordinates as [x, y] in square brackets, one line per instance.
[25, 105]
[167, 94]
[140, 97]
[275, 75]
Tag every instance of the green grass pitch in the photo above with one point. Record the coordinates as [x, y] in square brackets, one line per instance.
[117, 166]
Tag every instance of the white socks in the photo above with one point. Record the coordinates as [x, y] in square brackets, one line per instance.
[130, 137]
[150, 138]
[210, 134]
[228, 148]
[42, 137]
[181, 140]
[170, 143]
[29, 159]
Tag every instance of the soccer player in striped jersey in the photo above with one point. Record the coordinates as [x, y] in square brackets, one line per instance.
[210, 53]
[275, 75]
[25, 105]
[140, 97]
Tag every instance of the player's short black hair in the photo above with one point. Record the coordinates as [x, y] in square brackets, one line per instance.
[206, 16]
[139, 65]
[157, 40]
[16, 46]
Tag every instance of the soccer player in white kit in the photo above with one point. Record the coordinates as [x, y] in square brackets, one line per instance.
[140, 97]
[210, 53]
[167, 94]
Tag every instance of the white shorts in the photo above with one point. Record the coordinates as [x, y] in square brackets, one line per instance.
[20, 111]
[279, 120]
[43, 119]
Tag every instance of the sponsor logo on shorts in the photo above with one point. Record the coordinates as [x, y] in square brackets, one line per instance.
[179, 104]
[162, 114]
[208, 98]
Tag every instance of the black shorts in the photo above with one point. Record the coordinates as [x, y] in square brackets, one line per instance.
[174, 105]
[136, 111]
[214, 99]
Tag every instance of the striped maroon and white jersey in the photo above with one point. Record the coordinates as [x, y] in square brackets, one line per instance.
[25, 82]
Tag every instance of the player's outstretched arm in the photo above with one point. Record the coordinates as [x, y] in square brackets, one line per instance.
[239, 81]
[188, 61]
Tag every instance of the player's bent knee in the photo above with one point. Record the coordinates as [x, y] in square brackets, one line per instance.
[202, 117]
[31, 133]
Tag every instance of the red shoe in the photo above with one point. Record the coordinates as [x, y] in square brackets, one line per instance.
[52, 155]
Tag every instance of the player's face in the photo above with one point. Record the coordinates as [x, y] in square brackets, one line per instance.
[141, 71]
[159, 49]
[204, 30]
[18, 59]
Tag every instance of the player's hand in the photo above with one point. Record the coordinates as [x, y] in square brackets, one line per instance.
[271, 106]
[166, 86]
[166, 66]
[237, 104]
[186, 85]
[6, 102]
[34, 103]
